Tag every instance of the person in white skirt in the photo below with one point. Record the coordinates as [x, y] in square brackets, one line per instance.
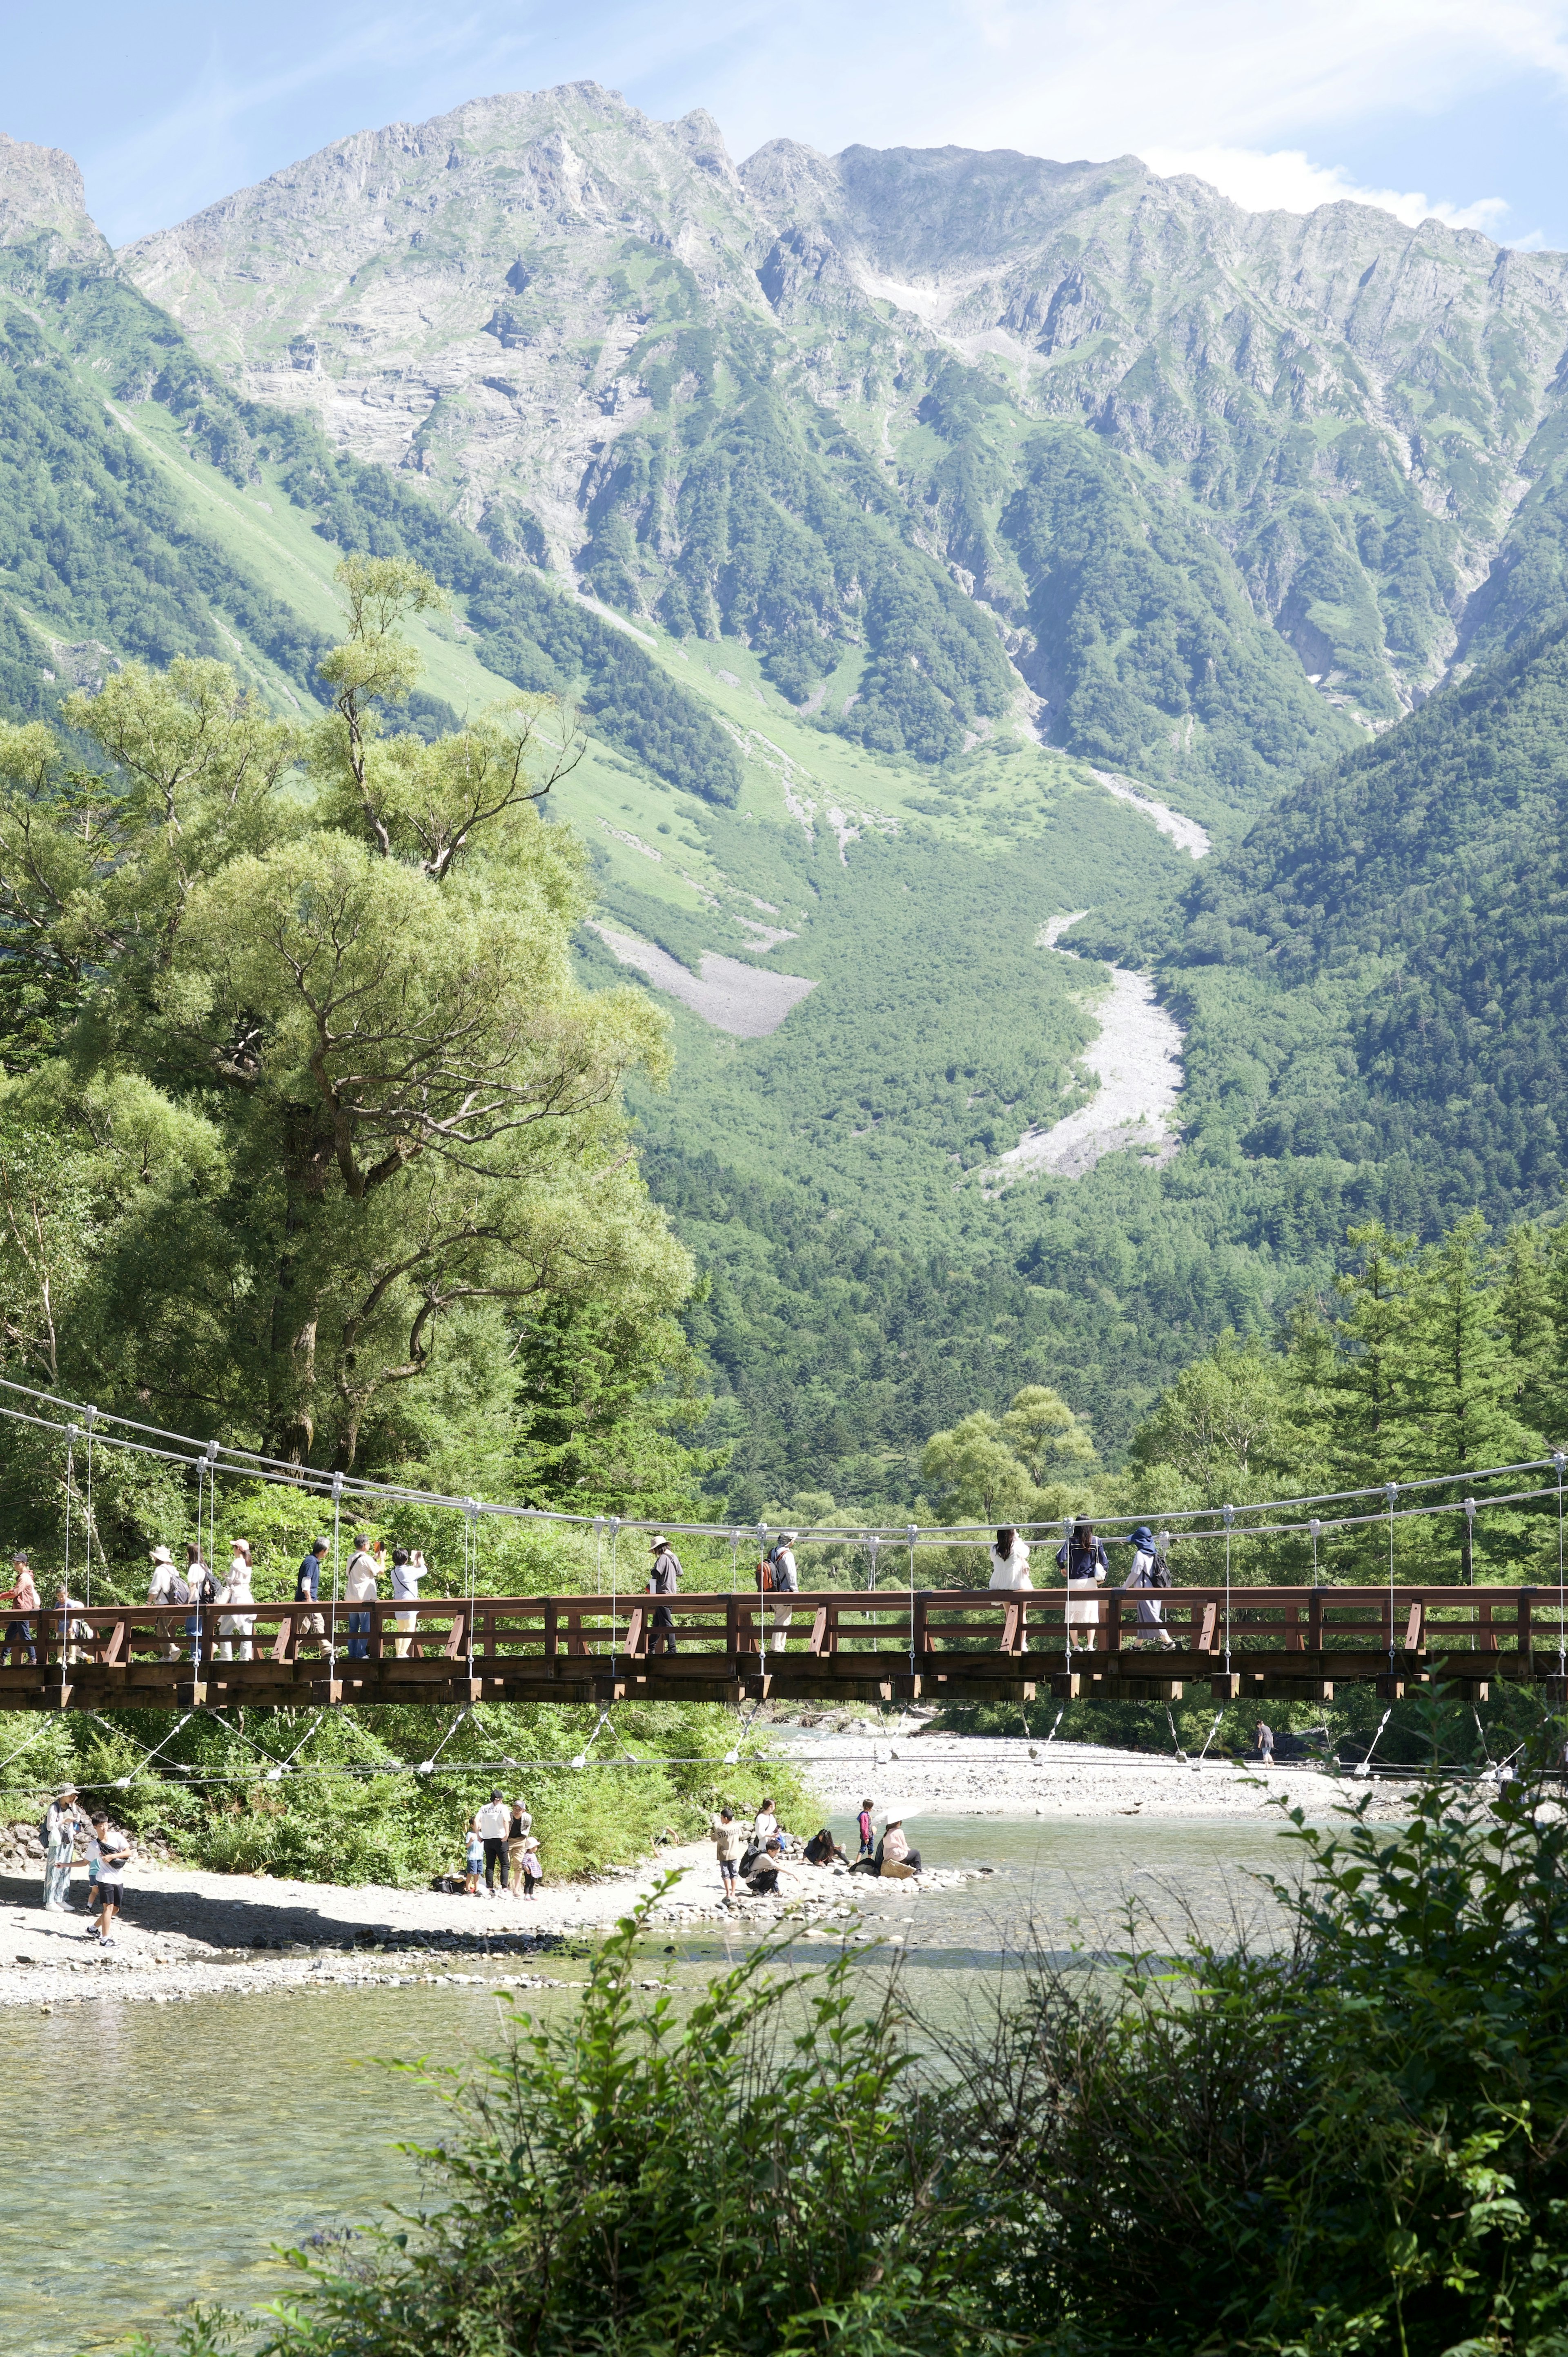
[1010, 1561]
[1081, 1556]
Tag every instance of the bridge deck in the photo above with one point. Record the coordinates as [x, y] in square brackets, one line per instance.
[940, 1644]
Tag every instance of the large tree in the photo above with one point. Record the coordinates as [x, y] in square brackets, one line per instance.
[322, 1060]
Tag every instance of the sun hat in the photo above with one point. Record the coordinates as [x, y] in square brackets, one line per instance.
[66, 1791]
[788, 1538]
[162, 1555]
[659, 1541]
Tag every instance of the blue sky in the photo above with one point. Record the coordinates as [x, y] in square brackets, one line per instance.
[1424, 104]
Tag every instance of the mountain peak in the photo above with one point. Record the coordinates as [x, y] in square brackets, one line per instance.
[41, 195]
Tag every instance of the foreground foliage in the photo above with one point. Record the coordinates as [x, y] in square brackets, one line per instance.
[1352, 2143]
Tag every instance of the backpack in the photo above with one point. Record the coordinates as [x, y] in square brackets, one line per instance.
[178, 1593]
[1159, 1575]
[207, 1592]
[764, 1575]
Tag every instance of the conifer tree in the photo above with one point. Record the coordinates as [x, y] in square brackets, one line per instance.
[1460, 1375]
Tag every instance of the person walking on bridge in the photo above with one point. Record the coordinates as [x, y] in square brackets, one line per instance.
[786, 1582]
[236, 1589]
[407, 1571]
[361, 1587]
[307, 1588]
[24, 1595]
[1010, 1561]
[1149, 1571]
[663, 1579]
[1082, 1557]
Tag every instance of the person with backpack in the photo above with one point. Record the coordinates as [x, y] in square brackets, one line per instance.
[361, 1587]
[785, 1581]
[200, 1588]
[1081, 1556]
[1150, 1570]
[307, 1588]
[166, 1587]
[663, 1579]
[24, 1595]
[63, 1823]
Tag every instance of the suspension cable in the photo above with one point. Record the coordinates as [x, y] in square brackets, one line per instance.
[913, 1535]
[1393, 1490]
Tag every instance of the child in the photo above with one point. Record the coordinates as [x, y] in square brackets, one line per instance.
[532, 1870]
[113, 1853]
[863, 1827]
[476, 1859]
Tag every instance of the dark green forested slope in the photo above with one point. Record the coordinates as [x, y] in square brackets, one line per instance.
[1415, 901]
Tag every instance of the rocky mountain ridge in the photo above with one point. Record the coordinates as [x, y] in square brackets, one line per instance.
[520, 299]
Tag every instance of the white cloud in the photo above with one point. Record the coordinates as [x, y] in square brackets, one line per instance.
[1286, 180]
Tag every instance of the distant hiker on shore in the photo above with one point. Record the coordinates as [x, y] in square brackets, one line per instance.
[1150, 1570]
[23, 1593]
[1010, 1560]
[494, 1822]
[63, 1824]
[786, 1582]
[1265, 1740]
[473, 1857]
[663, 1579]
[517, 1832]
[532, 1866]
[1081, 1556]
[728, 1843]
[360, 1586]
[113, 1851]
[895, 1861]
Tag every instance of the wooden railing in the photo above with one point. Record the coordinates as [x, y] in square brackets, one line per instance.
[954, 1636]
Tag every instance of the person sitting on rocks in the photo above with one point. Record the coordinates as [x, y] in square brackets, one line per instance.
[822, 1849]
[895, 1861]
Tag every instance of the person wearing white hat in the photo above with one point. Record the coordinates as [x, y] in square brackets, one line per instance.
[895, 1861]
[165, 1587]
[62, 1824]
[663, 1579]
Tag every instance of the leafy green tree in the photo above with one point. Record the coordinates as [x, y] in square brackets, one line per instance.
[1034, 1464]
[339, 1083]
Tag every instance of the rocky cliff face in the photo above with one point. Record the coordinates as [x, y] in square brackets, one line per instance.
[1148, 436]
[43, 207]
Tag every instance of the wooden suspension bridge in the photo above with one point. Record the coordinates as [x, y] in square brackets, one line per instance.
[839, 1645]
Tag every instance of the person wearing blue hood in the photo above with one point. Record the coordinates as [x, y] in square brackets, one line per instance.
[1150, 1570]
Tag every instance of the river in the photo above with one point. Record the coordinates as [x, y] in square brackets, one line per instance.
[153, 2154]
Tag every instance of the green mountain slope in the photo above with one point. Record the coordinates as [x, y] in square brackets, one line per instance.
[1416, 898]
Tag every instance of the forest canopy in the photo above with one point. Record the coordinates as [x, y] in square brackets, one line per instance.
[308, 1133]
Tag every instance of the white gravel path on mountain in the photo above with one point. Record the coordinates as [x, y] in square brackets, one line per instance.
[748, 1001]
[1186, 832]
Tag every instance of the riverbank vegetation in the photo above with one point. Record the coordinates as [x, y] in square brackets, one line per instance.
[1352, 2141]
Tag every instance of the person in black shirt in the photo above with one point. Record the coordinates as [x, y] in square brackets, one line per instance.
[663, 1579]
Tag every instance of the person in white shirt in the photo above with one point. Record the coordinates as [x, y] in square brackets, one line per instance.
[765, 1824]
[407, 1571]
[360, 1588]
[786, 1582]
[236, 1589]
[494, 1822]
[1010, 1561]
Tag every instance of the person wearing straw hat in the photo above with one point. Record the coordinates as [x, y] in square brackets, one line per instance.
[663, 1579]
[166, 1587]
[895, 1861]
[63, 1824]
[236, 1589]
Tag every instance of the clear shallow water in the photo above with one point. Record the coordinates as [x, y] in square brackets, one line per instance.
[153, 2154]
